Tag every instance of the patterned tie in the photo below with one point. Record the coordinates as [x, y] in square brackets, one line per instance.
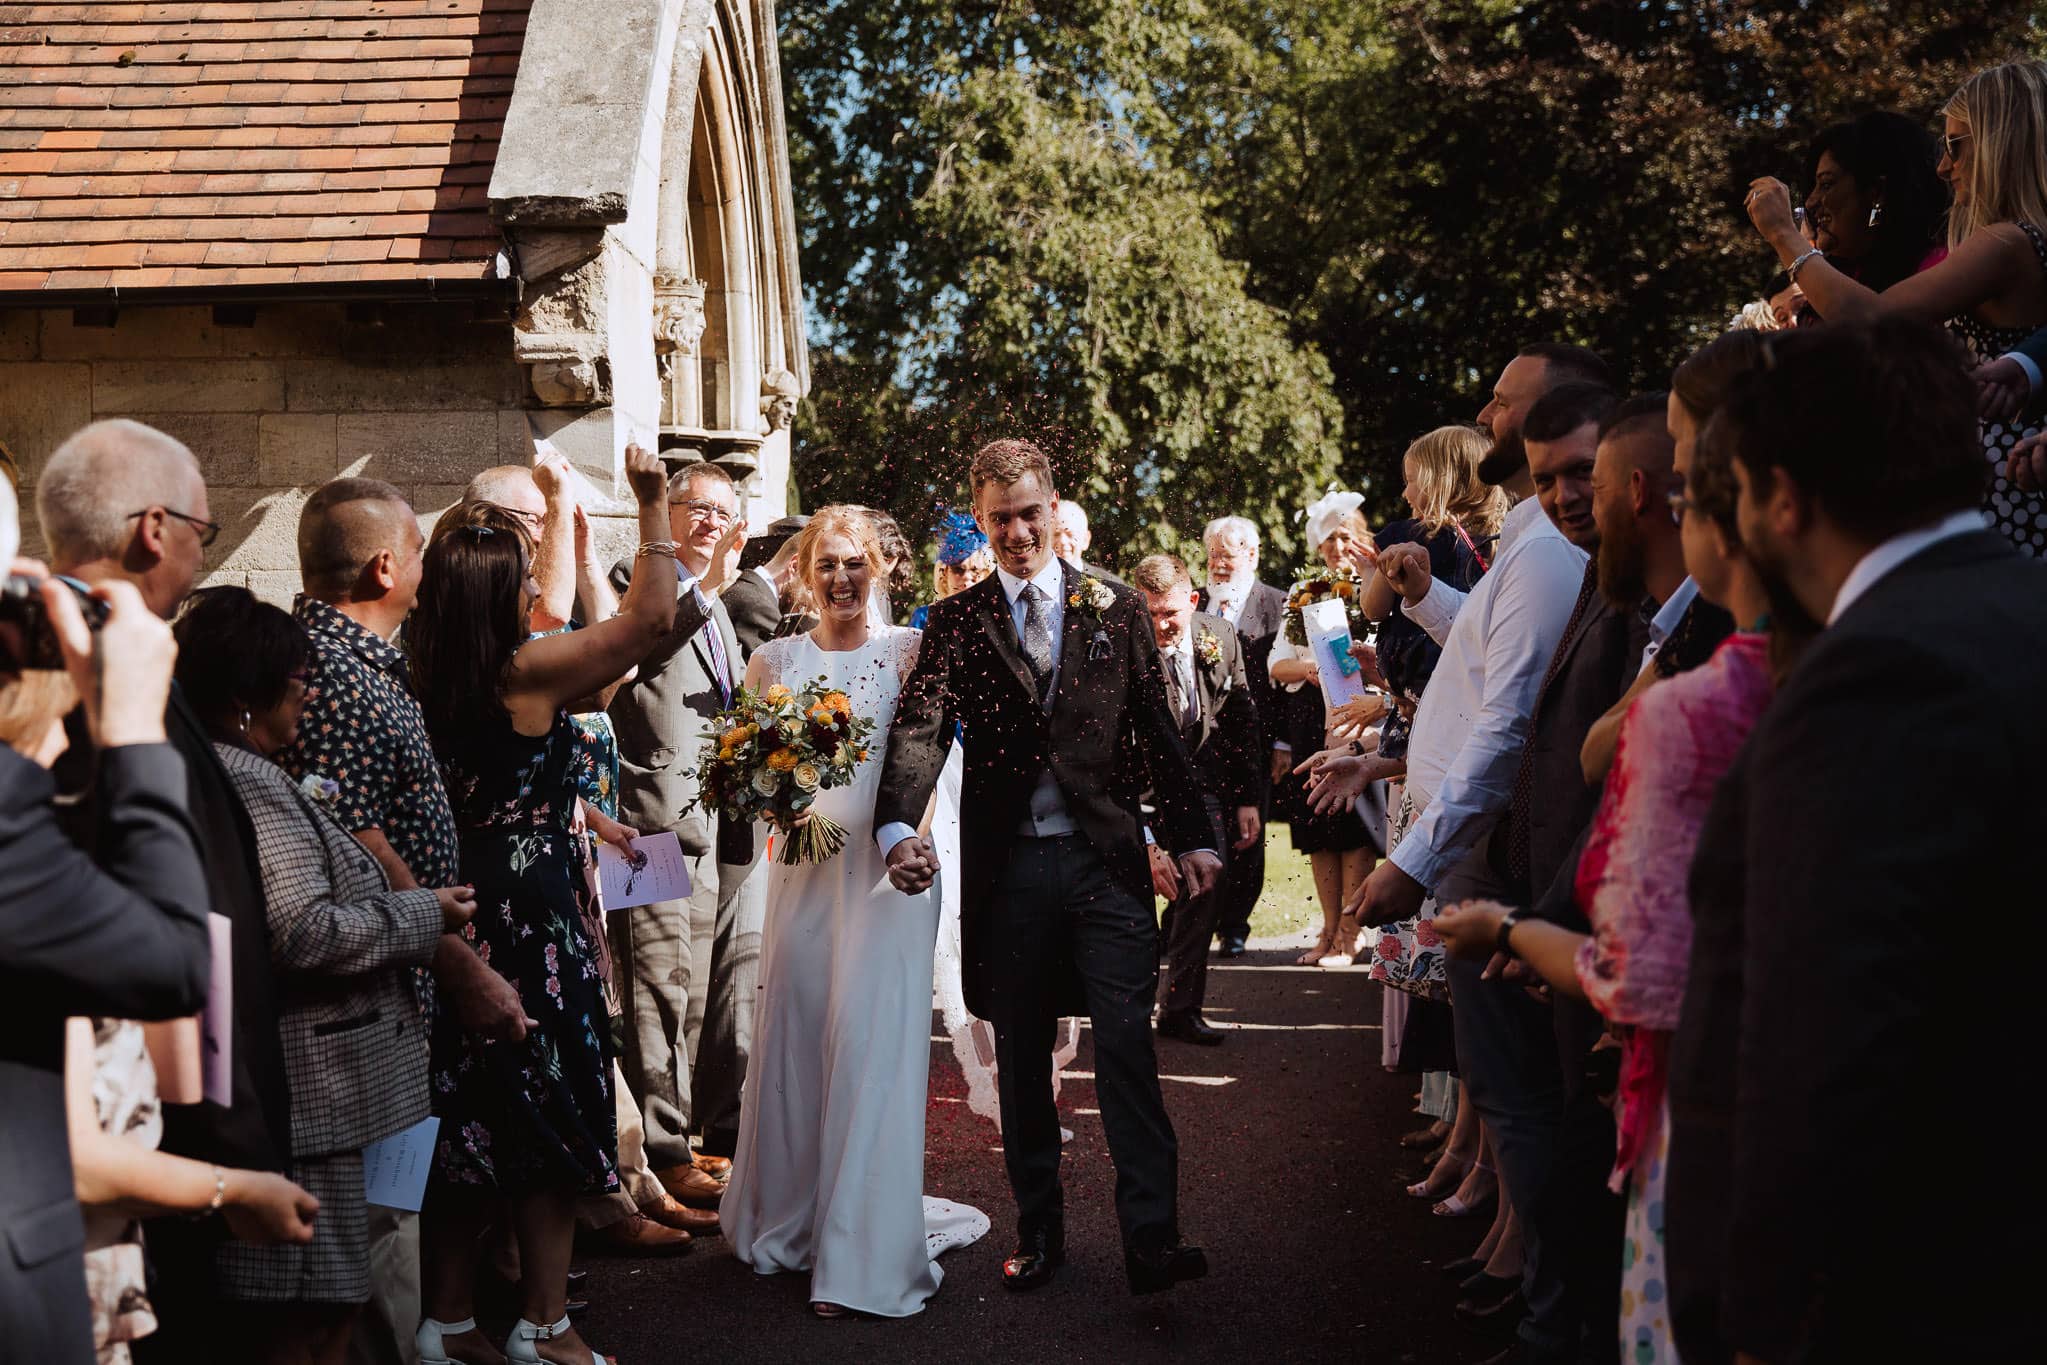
[1518, 865]
[1037, 637]
[714, 642]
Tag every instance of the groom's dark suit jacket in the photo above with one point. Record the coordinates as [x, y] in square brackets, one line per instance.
[1107, 736]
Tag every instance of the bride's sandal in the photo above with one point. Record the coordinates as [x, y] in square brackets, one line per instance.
[830, 1311]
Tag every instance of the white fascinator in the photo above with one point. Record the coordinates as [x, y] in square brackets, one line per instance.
[1327, 511]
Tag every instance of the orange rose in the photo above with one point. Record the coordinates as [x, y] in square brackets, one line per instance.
[782, 760]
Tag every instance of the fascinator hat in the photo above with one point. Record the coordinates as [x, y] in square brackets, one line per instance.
[959, 539]
[1327, 512]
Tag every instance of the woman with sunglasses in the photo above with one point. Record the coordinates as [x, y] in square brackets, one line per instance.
[1991, 290]
[341, 946]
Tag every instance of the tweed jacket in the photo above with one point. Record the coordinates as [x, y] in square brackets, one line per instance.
[341, 942]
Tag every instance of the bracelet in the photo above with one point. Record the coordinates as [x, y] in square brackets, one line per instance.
[1791, 271]
[656, 547]
[219, 1193]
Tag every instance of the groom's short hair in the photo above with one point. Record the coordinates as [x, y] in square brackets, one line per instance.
[1007, 461]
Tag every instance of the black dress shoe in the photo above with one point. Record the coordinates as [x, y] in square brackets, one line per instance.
[1038, 1253]
[1233, 947]
[1189, 1028]
[1498, 1301]
[1463, 1268]
[1153, 1272]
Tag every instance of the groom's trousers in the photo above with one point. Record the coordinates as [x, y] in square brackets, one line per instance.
[1060, 911]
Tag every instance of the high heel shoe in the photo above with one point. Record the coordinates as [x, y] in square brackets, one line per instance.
[1453, 1207]
[429, 1339]
[520, 1348]
[1430, 1188]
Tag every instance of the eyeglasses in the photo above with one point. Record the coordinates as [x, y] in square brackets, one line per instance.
[705, 511]
[209, 531]
[532, 519]
[1680, 503]
[1948, 143]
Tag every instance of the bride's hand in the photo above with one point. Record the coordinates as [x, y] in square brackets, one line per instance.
[911, 865]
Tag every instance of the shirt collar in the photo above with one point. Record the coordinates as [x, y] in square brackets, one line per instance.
[1050, 580]
[1874, 566]
[1670, 613]
[1525, 517]
[320, 618]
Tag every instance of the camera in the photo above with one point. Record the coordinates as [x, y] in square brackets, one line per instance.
[28, 640]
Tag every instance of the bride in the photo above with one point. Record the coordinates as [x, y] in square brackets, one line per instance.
[829, 1173]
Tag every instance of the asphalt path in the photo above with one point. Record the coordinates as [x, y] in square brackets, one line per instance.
[1288, 1166]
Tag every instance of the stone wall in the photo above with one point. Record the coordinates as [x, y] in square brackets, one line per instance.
[420, 395]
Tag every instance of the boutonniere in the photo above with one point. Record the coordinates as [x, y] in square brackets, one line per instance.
[324, 790]
[1090, 597]
[1208, 649]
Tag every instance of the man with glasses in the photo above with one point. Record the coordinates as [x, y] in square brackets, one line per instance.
[120, 501]
[687, 968]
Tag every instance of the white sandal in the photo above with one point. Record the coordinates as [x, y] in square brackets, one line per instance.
[520, 1348]
[433, 1350]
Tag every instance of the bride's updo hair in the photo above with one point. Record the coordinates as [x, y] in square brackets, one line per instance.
[839, 519]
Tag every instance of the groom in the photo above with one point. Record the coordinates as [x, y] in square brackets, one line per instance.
[1055, 683]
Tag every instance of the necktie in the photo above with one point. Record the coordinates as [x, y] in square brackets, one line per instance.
[1524, 776]
[1037, 637]
[1190, 695]
[714, 643]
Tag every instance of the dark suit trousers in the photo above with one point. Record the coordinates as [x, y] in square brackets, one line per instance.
[1244, 878]
[1059, 910]
[1186, 929]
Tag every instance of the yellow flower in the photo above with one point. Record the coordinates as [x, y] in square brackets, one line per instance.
[782, 760]
[777, 693]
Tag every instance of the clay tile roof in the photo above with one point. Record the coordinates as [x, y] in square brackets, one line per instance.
[243, 142]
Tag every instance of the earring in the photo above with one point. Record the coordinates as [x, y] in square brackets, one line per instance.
[246, 718]
[1876, 214]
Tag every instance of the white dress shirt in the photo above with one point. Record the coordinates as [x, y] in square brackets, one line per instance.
[1667, 618]
[1871, 568]
[1497, 642]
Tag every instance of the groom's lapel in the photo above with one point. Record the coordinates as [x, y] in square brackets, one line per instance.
[1001, 627]
[1073, 636]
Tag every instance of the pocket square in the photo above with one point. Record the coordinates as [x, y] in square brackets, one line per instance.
[1098, 645]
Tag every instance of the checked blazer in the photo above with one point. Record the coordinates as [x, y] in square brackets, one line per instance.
[341, 942]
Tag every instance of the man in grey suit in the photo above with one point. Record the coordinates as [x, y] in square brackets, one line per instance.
[688, 968]
[1257, 610]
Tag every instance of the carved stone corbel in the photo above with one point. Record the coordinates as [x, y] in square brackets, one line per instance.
[779, 394]
[566, 369]
[679, 320]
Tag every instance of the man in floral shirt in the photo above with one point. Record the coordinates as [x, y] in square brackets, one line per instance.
[360, 555]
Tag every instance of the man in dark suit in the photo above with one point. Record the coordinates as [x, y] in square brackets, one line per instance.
[1051, 677]
[754, 599]
[1803, 1222]
[1209, 690]
[1257, 611]
[686, 990]
[125, 936]
[85, 503]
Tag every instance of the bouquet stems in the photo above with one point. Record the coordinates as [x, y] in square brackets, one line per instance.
[812, 841]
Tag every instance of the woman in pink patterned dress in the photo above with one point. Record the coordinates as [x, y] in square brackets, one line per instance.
[1677, 741]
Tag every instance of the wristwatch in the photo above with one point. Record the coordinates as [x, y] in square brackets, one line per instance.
[1507, 923]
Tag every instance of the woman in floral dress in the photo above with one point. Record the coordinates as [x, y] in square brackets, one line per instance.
[532, 1120]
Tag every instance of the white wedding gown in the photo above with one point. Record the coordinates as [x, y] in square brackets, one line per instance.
[829, 1173]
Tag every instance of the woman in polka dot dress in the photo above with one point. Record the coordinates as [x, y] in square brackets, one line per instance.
[1991, 290]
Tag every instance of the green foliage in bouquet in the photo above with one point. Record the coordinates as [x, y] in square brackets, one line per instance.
[773, 752]
[1325, 583]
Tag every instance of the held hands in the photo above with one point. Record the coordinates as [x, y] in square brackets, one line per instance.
[267, 1209]
[911, 865]
[644, 474]
[724, 566]
[1165, 873]
[2027, 464]
[458, 903]
[1250, 824]
[134, 646]
[1405, 568]
[2001, 389]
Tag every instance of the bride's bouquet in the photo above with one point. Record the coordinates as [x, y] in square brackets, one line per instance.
[1319, 585]
[773, 752]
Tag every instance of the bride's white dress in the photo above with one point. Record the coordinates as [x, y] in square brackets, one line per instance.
[829, 1172]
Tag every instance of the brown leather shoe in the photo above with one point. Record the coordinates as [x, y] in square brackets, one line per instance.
[671, 1213]
[642, 1236]
[719, 1168]
[690, 1185]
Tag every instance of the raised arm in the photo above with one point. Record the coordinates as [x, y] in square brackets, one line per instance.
[556, 669]
[554, 559]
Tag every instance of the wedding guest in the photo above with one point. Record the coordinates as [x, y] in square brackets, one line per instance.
[1256, 610]
[122, 502]
[766, 571]
[961, 560]
[1878, 206]
[1800, 1222]
[123, 934]
[1208, 688]
[1462, 757]
[688, 969]
[1340, 847]
[533, 1121]
[1071, 537]
[1991, 289]
[573, 585]
[340, 941]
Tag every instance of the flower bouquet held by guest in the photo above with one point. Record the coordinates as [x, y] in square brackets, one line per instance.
[775, 750]
[531, 1121]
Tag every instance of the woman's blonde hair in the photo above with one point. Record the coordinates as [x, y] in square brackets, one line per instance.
[2004, 109]
[30, 704]
[1446, 483]
[839, 519]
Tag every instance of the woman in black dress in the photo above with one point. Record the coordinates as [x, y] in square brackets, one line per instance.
[529, 1122]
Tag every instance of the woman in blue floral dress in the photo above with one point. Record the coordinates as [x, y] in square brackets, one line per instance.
[529, 1120]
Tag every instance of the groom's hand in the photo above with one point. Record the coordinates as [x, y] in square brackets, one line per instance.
[911, 865]
[1199, 872]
